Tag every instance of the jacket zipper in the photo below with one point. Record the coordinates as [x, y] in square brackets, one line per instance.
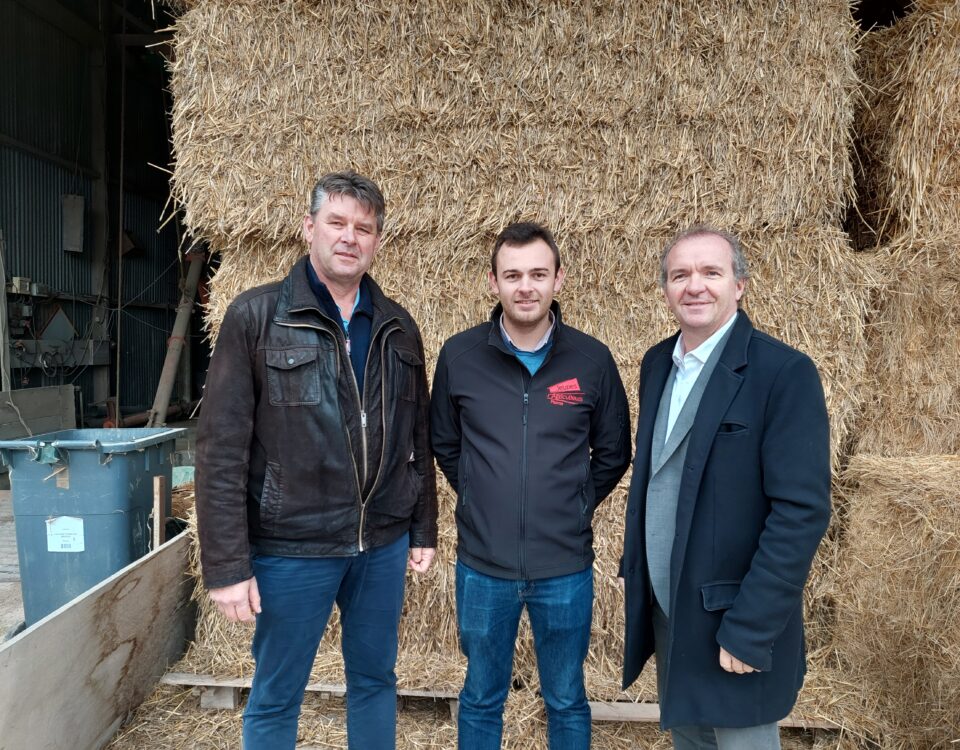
[363, 422]
[363, 415]
[523, 478]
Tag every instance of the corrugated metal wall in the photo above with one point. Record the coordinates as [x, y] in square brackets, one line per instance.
[46, 151]
[150, 277]
[31, 221]
[45, 86]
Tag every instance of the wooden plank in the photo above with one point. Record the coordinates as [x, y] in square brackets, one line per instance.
[599, 710]
[331, 688]
[79, 671]
[623, 711]
[43, 409]
[219, 697]
[159, 510]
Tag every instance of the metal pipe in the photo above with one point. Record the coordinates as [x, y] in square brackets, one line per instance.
[168, 376]
[180, 408]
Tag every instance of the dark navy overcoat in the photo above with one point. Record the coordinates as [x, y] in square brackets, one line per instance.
[753, 504]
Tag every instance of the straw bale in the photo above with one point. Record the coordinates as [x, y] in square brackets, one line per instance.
[913, 403]
[628, 115]
[908, 174]
[897, 634]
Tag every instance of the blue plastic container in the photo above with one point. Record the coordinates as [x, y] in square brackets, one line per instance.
[82, 501]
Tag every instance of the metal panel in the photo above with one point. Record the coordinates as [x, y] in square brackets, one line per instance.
[143, 345]
[151, 272]
[44, 96]
[31, 221]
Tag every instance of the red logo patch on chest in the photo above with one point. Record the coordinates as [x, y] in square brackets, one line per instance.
[567, 392]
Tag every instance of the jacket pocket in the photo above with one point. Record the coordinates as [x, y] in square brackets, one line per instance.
[732, 428]
[588, 499]
[719, 595]
[271, 497]
[408, 365]
[293, 376]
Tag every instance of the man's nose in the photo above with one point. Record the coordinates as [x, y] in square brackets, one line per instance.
[695, 284]
[347, 234]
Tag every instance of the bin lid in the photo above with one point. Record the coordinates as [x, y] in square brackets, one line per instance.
[105, 440]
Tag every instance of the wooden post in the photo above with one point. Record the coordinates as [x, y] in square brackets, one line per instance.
[159, 510]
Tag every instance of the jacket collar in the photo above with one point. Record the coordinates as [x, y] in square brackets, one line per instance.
[495, 339]
[298, 304]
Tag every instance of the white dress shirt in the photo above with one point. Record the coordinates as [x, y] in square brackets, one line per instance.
[689, 367]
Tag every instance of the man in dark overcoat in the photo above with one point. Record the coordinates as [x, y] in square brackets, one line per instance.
[729, 499]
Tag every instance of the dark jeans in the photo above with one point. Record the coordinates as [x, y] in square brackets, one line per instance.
[297, 595]
[488, 614]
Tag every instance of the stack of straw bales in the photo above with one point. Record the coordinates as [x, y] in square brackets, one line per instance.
[615, 124]
[908, 130]
[897, 637]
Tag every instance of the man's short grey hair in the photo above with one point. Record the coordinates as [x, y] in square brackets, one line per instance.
[740, 269]
[356, 186]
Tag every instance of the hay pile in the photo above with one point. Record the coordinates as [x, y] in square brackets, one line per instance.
[908, 130]
[615, 124]
[898, 633]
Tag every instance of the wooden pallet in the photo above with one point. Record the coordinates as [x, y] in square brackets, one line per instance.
[225, 693]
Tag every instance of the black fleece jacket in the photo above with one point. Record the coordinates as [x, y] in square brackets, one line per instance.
[530, 457]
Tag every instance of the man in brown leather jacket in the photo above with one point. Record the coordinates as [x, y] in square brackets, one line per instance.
[315, 482]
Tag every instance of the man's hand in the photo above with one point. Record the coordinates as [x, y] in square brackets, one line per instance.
[731, 663]
[239, 602]
[420, 558]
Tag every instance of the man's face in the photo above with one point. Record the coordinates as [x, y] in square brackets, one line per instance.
[343, 239]
[701, 290]
[526, 282]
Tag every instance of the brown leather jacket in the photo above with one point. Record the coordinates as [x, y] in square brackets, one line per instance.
[288, 462]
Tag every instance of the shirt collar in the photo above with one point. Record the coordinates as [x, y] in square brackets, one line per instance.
[701, 353]
[540, 344]
[362, 303]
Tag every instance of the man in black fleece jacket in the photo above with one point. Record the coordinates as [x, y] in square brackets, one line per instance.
[529, 423]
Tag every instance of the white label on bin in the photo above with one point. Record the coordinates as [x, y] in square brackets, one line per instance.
[65, 534]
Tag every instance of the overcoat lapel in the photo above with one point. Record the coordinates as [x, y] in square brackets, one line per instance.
[649, 403]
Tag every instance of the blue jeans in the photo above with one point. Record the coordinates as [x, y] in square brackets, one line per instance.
[488, 614]
[297, 595]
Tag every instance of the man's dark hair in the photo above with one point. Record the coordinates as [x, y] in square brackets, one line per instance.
[522, 233]
[361, 189]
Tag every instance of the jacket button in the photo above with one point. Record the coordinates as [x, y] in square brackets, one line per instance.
[290, 361]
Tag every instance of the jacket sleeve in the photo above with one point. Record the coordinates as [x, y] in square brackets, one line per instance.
[223, 451]
[444, 424]
[795, 464]
[609, 433]
[423, 526]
